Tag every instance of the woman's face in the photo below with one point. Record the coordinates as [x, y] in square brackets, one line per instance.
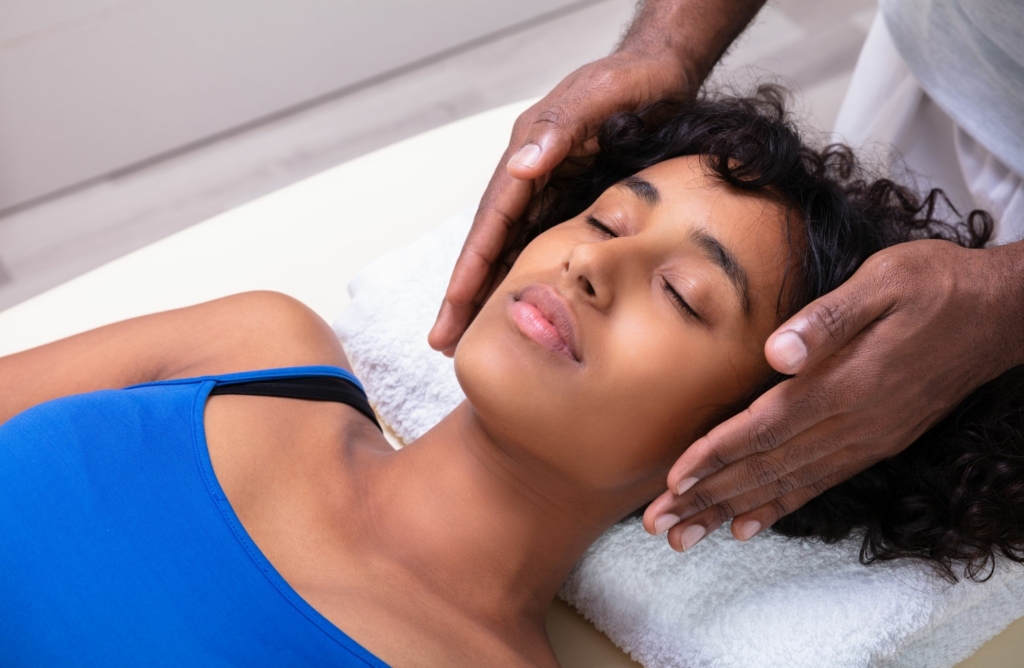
[617, 333]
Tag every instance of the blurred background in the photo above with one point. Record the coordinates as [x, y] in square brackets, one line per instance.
[123, 121]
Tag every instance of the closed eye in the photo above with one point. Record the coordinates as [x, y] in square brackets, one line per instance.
[601, 227]
[678, 299]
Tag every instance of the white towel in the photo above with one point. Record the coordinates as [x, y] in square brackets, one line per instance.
[769, 602]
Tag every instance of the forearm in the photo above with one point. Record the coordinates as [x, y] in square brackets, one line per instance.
[695, 33]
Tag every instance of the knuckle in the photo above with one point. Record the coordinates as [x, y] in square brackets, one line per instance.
[830, 319]
[820, 487]
[701, 501]
[762, 471]
[724, 512]
[708, 457]
[763, 435]
[604, 78]
[779, 508]
[716, 461]
[785, 485]
[837, 473]
[553, 117]
[487, 211]
[888, 270]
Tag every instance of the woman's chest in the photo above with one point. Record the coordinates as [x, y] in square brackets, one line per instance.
[284, 469]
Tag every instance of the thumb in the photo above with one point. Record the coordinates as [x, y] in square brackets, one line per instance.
[825, 325]
[551, 137]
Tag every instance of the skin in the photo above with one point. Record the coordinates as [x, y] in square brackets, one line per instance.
[449, 551]
[668, 51]
[881, 359]
[876, 362]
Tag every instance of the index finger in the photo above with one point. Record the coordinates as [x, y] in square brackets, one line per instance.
[775, 417]
[503, 202]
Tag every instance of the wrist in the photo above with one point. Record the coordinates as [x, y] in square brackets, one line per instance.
[1005, 276]
[690, 34]
[1015, 276]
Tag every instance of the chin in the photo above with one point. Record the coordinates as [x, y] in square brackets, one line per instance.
[516, 392]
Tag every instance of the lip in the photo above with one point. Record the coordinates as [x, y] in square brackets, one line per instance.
[542, 314]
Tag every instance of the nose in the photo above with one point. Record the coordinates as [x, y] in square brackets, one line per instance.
[590, 271]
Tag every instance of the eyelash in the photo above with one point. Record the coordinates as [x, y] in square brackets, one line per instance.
[677, 298]
[601, 227]
[673, 295]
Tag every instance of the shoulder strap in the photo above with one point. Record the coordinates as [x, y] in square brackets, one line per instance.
[313, 388]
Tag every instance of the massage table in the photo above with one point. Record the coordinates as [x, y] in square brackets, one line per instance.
[309, 240]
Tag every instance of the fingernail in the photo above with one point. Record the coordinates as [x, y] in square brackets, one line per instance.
[685, 484]
[790, 348]
[527, 156]
[747, 529]
[664, 523]
[691, 535]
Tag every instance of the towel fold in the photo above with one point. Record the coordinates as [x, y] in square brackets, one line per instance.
[769, 602]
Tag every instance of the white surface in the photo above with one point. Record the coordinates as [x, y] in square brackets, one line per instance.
[50, 242]
[307, 240]
[47, 244]
[770, 602]
[87, 88]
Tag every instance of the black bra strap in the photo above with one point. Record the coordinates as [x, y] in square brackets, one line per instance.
[314, 388]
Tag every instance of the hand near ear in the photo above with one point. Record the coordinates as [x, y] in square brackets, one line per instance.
[875, 364]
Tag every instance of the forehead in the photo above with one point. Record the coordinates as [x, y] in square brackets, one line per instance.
[685, 185]
[752, 226]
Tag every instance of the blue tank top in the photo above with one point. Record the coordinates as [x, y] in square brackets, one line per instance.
[118, 546]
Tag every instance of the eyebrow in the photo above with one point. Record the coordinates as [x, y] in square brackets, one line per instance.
[726, 261]
[713, 249]
[644, 190]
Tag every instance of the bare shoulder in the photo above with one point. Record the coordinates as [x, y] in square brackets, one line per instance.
[244, 332]
[258, 330]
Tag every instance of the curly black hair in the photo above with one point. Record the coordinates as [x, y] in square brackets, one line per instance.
[955, 497]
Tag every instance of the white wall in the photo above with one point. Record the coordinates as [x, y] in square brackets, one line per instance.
[88, 87]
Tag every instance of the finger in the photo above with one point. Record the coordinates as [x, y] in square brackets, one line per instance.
[723, 496]
[452, 321]
[829, 322]
[555, 129]
[772, 419]
[741, 492]
[503, 203]
[743, 509]
[657, 519]
[685, 535]
[749, 524]
[759, 478]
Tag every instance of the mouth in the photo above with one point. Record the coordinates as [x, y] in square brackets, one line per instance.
[543, 315]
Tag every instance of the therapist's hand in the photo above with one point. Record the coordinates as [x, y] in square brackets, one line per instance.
[564, 123]
[667, 52]
[875, 363]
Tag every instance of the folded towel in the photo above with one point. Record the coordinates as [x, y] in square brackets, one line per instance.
[769, 602]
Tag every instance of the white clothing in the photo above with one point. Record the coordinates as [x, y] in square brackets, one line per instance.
[886, 106]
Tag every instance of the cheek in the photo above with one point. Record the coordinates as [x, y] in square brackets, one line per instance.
[648, 396]
[620, 420]
[655, 384]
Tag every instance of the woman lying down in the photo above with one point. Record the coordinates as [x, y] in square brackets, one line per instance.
[236, 504]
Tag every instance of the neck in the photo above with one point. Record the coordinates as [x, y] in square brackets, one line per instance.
[491, 534]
